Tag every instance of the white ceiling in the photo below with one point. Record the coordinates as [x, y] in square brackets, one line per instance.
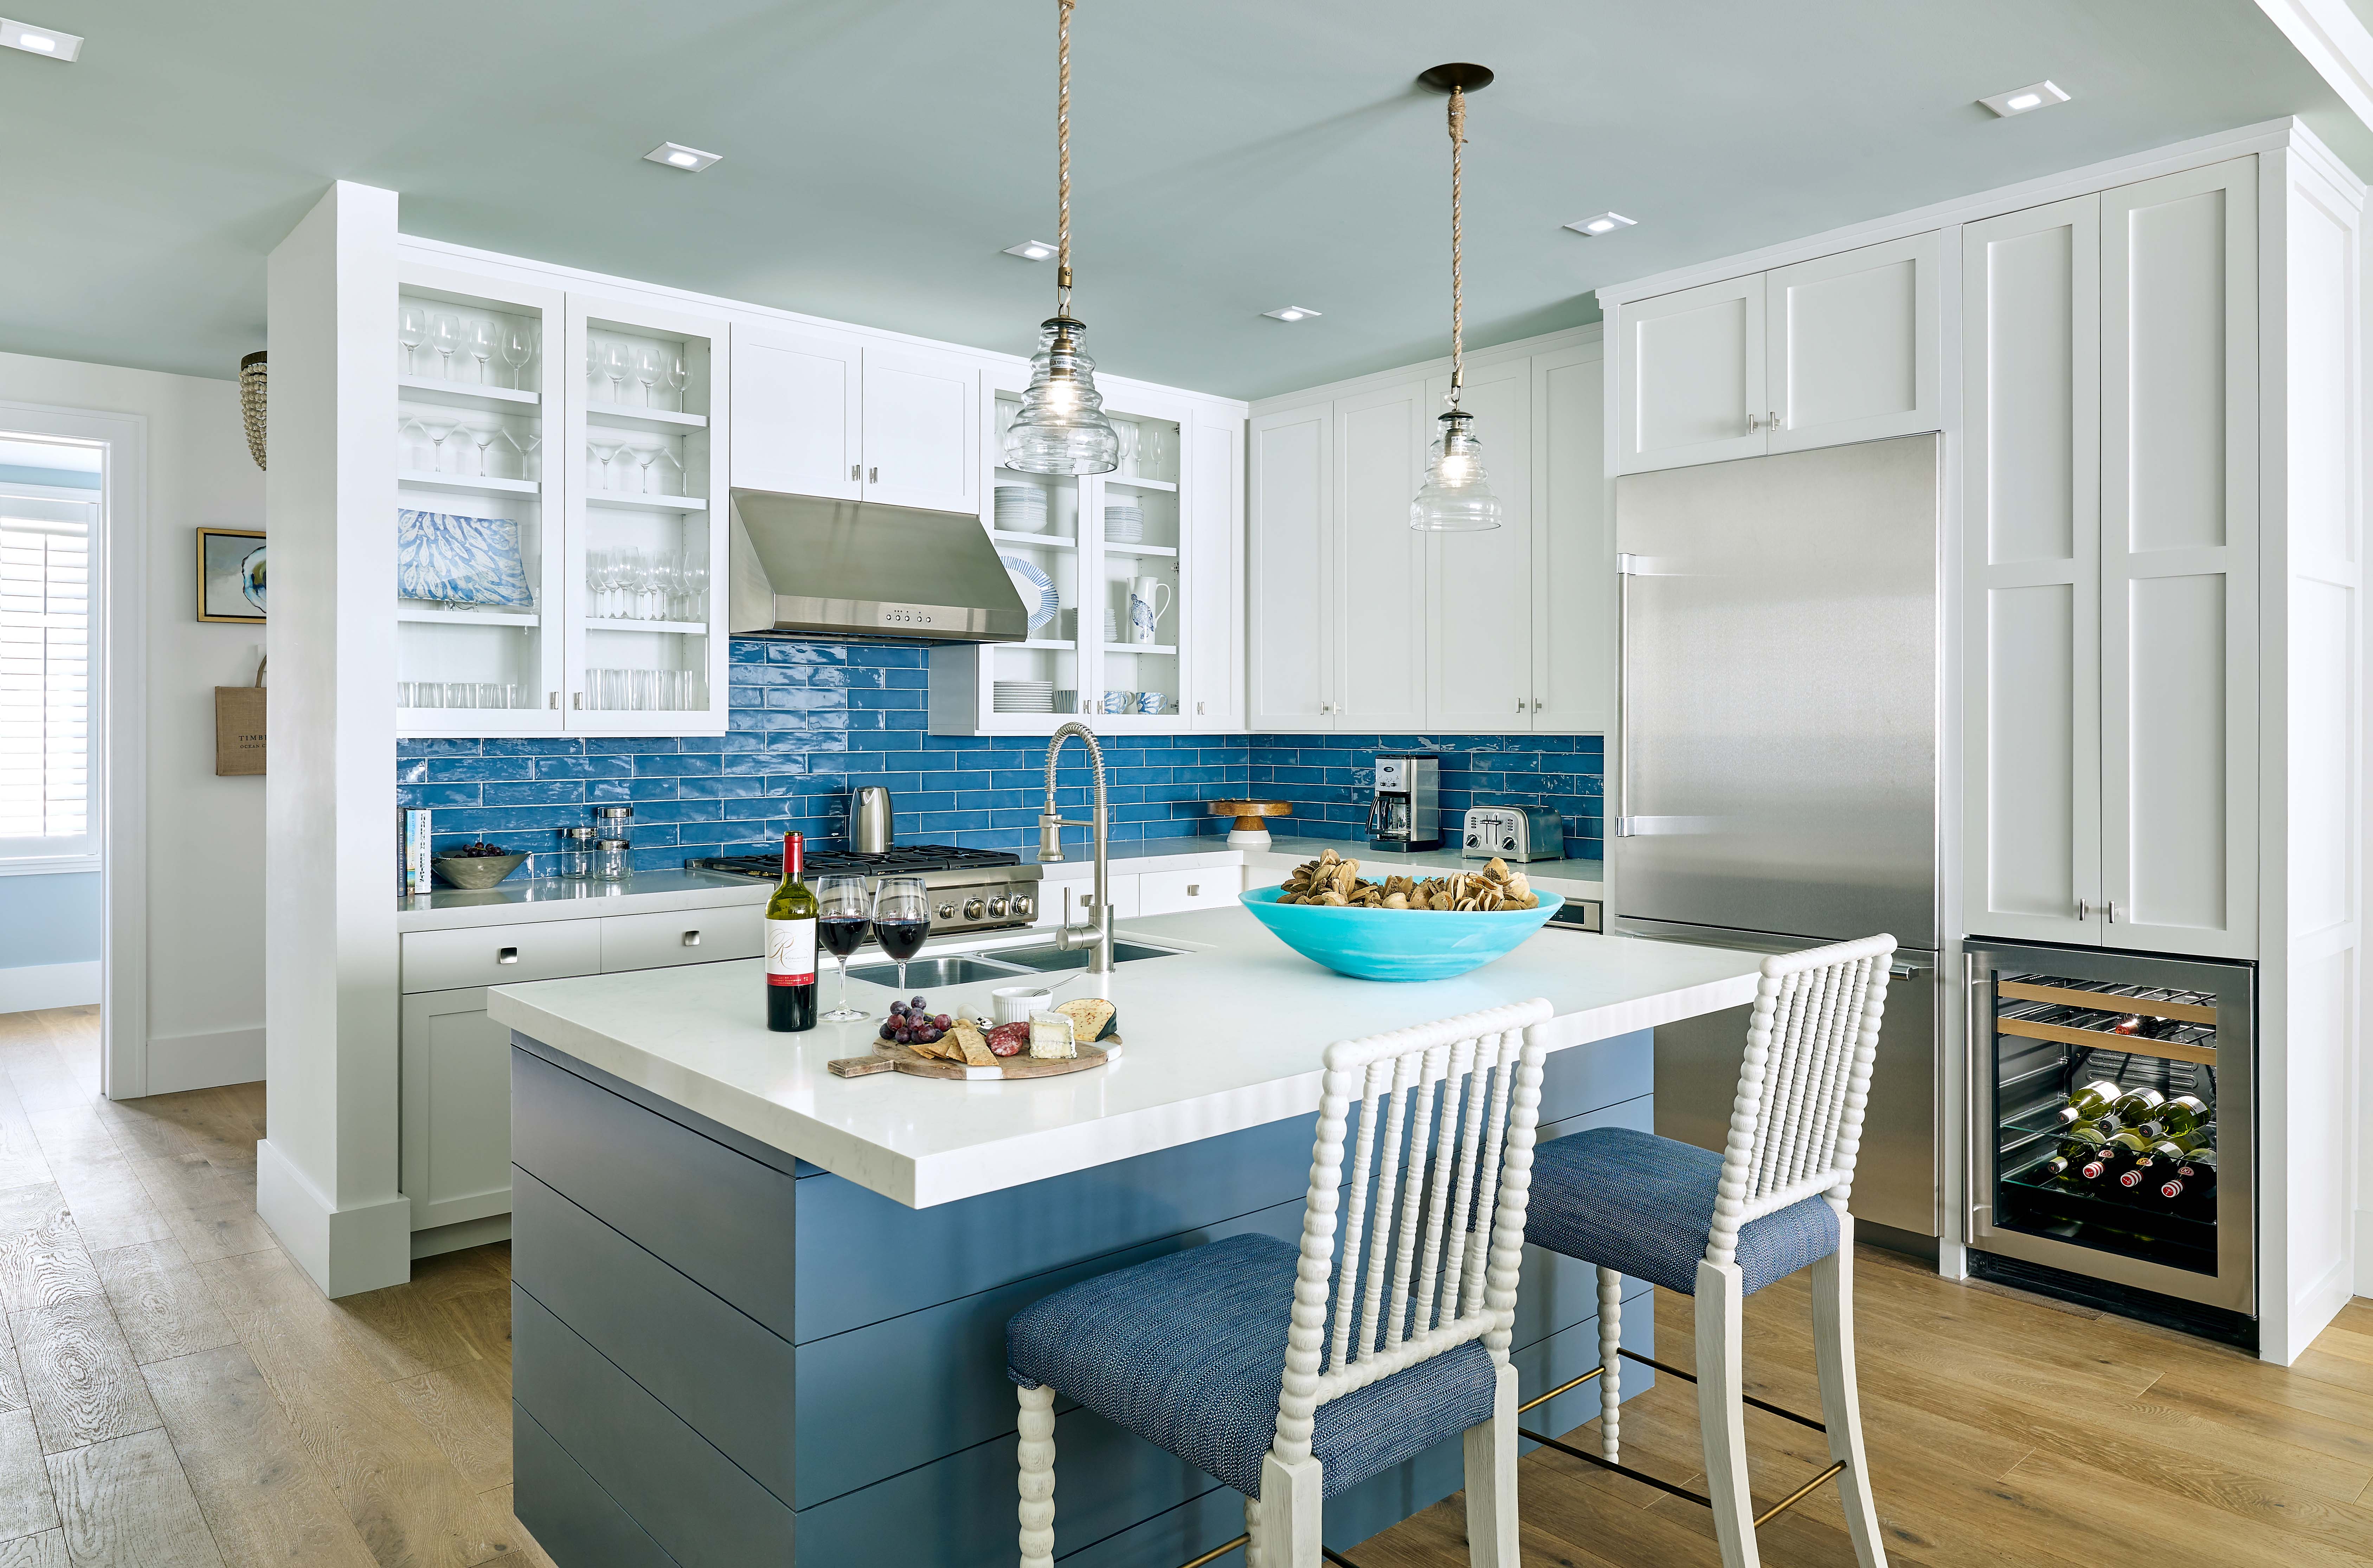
[1230, 157]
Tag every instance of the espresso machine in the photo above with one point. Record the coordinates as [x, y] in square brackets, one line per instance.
[1407, 813]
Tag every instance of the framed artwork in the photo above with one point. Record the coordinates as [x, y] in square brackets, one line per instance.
[230, 574]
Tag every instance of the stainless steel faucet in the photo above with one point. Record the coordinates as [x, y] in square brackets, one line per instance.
[1097, 934]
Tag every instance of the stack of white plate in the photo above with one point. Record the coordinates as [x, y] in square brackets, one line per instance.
[1022, 696]
[1124, 523]
[1021, 508]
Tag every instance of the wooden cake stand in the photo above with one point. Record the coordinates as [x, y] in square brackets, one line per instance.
[1251, 832]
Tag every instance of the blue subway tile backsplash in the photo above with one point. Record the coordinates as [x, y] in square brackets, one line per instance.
[811, 721]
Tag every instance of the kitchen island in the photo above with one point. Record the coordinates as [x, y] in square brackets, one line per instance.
[758, 1310]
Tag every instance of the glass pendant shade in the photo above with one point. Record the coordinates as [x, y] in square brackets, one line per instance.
[1062, 427]
[1455, 497]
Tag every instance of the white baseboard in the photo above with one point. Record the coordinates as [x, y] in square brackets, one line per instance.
[33, 987]
[2364, 1252]
[204, 1061]
[345, 1250]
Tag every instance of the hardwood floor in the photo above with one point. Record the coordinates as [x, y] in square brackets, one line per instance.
[174, 1391]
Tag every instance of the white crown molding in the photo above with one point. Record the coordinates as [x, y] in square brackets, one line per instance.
[2333, 40]
[2268, 135]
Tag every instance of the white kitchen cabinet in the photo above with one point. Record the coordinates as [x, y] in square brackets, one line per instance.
[1379, 611]
[688, 936]
[655, 488]
[1078, 886]
[1573, 571]
[796, 415]
[828, 416]
[2031, 533]
[1841, 348]
[455, 1149]
[1361, 623]
[1199, 887]
[1479, 599]
[1215, 562]
[922, 431]
[2112, 529]
[1692, 379]
[1292, 582]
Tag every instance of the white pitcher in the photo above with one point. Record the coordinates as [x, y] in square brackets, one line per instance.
[1149, 597]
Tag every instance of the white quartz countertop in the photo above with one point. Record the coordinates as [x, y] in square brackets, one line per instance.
[1227, 1035]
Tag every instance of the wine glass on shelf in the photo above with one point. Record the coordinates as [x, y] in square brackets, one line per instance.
[412, 331]
[615, 363]
[647, 369]
[675, 375]
[517, 347]
[902, 919]
[483, 343]
[445, 337]
[843, 917]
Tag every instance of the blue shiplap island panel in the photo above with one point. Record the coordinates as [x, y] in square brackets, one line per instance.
[726, 1356]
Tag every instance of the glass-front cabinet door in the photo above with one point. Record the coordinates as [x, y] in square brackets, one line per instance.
[478, 507]
[647, 507]
[1138, 591]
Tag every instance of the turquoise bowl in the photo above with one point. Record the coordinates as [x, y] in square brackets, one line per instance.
[1396, 944]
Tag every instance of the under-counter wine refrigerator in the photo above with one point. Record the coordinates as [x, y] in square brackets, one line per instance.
[2111, 1098]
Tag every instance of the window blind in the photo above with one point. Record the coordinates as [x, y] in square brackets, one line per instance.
[45, 662]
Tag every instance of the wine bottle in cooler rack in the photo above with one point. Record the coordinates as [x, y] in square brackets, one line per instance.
[2094, 1098]
[792, 945]
[2134, 1107]
[2151, 1167]
[2191, 1189]
[2086, 1151]
[2179, 1118]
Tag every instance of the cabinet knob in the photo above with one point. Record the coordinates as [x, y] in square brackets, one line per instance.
[1520, 705]
[1537, 705]
[1754, 423]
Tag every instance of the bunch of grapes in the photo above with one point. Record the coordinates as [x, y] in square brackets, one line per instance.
[913, 1023]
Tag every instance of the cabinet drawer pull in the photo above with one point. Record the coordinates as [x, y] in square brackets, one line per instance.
[1194, 890]
[856, 471]
[873, 476]
[506, 956]
[692, 939]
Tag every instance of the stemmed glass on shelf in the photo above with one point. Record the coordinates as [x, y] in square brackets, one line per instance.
[517, 347]
[902, 919]
[675, 376]
[483, 343]
[445, 337]
[412, 331]
[614, 364]
[647, 369]
[843, 917]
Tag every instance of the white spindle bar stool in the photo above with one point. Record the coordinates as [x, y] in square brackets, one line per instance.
[1720, 1227]
[1185, 1351]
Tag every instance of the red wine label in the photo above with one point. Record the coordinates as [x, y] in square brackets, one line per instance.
[791, 953]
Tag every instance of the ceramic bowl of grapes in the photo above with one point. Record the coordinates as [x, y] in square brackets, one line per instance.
[477, 865]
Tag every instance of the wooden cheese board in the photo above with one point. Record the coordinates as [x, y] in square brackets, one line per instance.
[889, 1057]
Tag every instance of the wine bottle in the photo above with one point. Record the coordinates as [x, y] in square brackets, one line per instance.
[2151, 1167]
[2178, 1118]
[792, 945]
[2095, 1097]
[2086, 1149]
[2134, 1107]
[2193, 1187]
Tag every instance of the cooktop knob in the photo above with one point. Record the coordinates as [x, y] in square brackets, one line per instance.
[974, 908]
[947, 911]
[1023, 905]
[996, 907]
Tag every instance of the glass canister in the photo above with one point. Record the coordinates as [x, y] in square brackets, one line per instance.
[610, 857]
[574, 858]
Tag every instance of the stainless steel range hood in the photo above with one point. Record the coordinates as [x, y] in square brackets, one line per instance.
[810, 568]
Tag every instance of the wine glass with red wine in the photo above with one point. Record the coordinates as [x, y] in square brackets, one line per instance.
[844, 914]
[902, 919]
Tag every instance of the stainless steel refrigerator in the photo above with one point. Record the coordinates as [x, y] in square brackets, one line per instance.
[1774, 779]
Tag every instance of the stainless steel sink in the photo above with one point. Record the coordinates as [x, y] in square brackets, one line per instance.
[926, 974]
[1051, 958]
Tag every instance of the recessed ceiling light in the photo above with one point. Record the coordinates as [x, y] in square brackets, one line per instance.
[2019, 100]
[1291, 313]
[1602, 223]
[47, 42]
[1030, 250]
[675, 156]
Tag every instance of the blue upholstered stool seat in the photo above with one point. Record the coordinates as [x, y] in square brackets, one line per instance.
[1644, 1205]
[1188, 1352]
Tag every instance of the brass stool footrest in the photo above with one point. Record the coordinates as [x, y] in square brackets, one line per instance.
[1700, 1498]
[1691, 1378]
[1326, 1551]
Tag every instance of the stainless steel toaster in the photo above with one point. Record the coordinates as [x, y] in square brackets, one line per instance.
[1513, 833]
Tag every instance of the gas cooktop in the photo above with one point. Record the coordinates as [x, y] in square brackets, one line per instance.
[907, 859]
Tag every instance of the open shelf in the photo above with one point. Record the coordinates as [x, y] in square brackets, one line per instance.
[464, 394]
[646, 503]
[1166, 552]
[622, 623]
[1113, 481]
[1036, 541]
[468, 483]
[1049, 642]
[644, 418]
[1154, 647]
[433, 615]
